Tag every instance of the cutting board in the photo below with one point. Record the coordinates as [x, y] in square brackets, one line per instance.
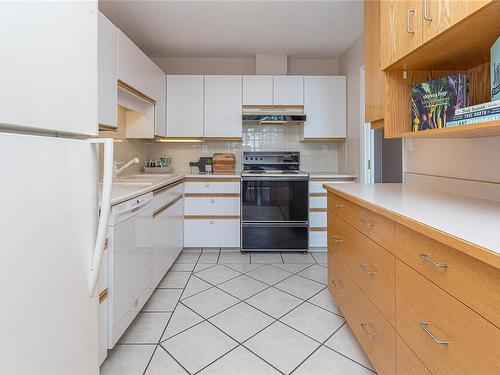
[224, 162]
[201, 163]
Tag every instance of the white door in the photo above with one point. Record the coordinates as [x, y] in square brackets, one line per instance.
[223, 106]
[257, 90]
[185, 106]
[48, 69]
[325, 107]
[48, 225]
[108, 72]
[288, 90]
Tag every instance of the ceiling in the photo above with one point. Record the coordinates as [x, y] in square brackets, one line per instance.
[320, 29]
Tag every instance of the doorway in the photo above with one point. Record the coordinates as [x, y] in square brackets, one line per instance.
[388, 158]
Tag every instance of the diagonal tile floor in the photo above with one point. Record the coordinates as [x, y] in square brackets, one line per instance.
[222, 312]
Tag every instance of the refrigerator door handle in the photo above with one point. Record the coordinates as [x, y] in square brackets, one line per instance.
[107, 184]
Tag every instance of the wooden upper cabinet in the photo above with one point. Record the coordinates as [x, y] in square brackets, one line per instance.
[401, 29]
[374, 86]
[439, 15]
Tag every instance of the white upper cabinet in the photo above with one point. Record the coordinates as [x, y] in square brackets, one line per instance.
[48, 69]
[325, 107]
[257, 90]
[223, 98]
[108, 72]
[161, 105]
[185, 106]
[288, 90]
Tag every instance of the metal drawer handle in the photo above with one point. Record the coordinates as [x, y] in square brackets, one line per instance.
[207, 185]
[366, 268]
[366, 222]
[212, 200]
[425, 257]
[370, 336]
[337, 205]
[426, 11]
[424, 326]
[337, 239]
[408, 22]
[337, 284]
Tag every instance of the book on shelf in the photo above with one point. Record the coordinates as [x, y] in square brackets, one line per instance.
[471, 115]
[495, 70]
[473, 120]
[433, 101]
[478, 107]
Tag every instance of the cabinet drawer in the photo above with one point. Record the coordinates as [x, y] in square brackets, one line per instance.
[367, 263]
[474, 283]
[317, 238]
[407, 362]
[212, 206]
[167, 194]
[317, 201]
[103, 330]
[317, 219]
[207, 186]
[373, 332]
[375, 226]
[474, 343]
[212, 233]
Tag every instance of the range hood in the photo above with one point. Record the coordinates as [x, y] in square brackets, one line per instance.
[273, 115]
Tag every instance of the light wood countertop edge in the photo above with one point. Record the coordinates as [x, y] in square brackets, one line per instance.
[475, 251]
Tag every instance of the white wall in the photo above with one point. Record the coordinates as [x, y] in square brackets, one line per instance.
[349, 65]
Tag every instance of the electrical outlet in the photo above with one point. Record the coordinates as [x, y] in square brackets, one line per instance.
[204, 149]
[324, 149]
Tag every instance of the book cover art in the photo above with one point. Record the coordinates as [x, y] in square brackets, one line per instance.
[495, 70]
[433, 101]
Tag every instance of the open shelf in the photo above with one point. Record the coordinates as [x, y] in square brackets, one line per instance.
[482, 129]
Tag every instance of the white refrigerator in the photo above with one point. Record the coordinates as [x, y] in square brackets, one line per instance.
[51, 231]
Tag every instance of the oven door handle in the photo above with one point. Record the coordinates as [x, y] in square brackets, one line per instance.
[282, 224]
[280, 178]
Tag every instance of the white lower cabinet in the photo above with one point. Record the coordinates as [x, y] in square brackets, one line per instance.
[103, 284]
[212, 206]
[317, 239]
[212, 232]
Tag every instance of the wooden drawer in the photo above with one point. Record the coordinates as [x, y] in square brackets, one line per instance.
[212, 186]
[373, 332]
[377, 227]
[407, 362]
[212, 206]
[367, 263]
[473, 282]
[474, 343]
[212, 233]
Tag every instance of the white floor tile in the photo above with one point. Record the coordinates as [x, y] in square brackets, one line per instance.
[321, 258]
[198, 346]
[274, 302]
[298, 258]
[145, 329]
[217, 274]
[210, 302]
[127, 360]
[182, 319]
[209, 258]
[300, 286]
[211, 250]
[203, 266]
[241, 321]
[326, 362]
[174, 279]
[316, 273]
[239, 361]
[266, 258]
[244, 268]
[325, 300]
[281, 346]
[292, 267]
[183, 267]
[242, 287]
[313, 321]
[187, 257]
[232, 258]
[163, 300]
[191, 250]
[269, 274]
[229, 249]
[162, 364]
[346, 343]
[195, 285]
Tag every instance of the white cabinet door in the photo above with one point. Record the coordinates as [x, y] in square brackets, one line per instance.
[48, 69]
[212, 233]
[325, 107]
[185, 106]
[223, 106]
[288, 90]
[108, 72]
[161, 106]
[257, 90]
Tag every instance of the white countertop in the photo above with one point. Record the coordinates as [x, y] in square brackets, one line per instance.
[213, 175]
[330, 175]
[473, 220]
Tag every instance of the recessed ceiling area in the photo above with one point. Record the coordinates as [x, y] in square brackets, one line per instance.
[319, 29]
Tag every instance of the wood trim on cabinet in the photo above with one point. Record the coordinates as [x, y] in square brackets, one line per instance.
[272, 106]
[167, 187]
[134, 91]
[317, 229]
[307, 139]
[161, 209]
[107, 128]
[211, 217]
[226, 139]
[212, 179]
[103, 295]
[317, 194]
[332, 179]
[322, 209]
[212, 195]
[377, 124]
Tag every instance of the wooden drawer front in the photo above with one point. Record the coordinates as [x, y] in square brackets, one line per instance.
[317, 201]
[163, 196]
[474, 283]
[317, 238]
[317, 219]
[377, 227]
[367, 263]
[474, 343]
[407, 362]
[212, 233]
[212, 206]
[375, 335]
[209, 187]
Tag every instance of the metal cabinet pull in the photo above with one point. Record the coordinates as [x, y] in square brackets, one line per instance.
[207, 185]
[337, 205]
[365, 267]
[370, 336]
[337, 239]
[366, 222]
[212, 200]
[424, 326]
[426, 11]
[337, 284]
[408, 21]
[426, 258]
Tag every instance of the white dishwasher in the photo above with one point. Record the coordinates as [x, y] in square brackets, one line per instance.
[131, 263]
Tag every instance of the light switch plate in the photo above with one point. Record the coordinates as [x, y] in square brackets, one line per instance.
[204, 149]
